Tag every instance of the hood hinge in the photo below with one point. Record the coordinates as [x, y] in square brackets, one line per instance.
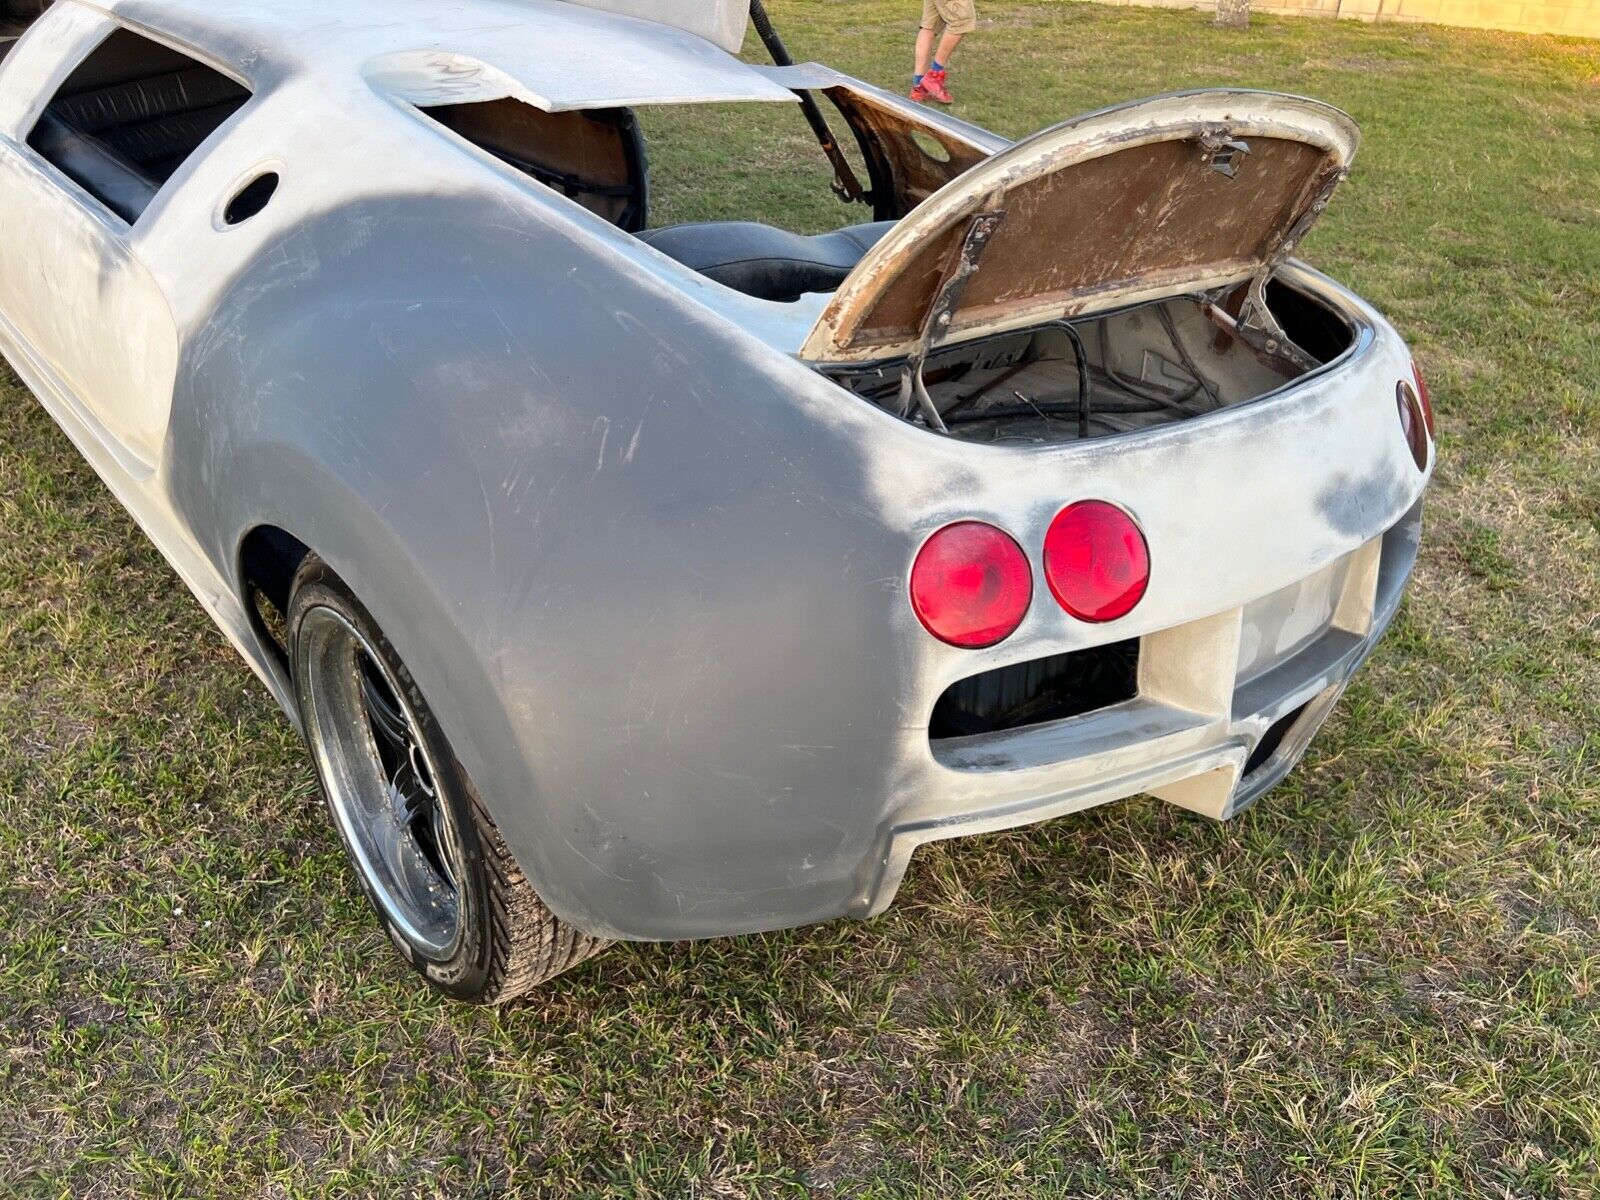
[962, 267]
[1255, 325]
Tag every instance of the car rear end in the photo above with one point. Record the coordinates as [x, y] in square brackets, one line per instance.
[1196, 465]
[1273, 544]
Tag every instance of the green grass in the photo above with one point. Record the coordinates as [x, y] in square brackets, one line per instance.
[1381, 982]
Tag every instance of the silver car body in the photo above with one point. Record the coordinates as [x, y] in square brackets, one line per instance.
[647, 564]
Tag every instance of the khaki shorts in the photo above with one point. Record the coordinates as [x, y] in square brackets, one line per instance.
[953, 16]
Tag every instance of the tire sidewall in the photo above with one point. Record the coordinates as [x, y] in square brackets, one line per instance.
[465, 975]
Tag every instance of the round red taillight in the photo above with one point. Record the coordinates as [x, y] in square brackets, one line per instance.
[1422, 395]
[1412, 422]
[971, 585]
[1096, 561]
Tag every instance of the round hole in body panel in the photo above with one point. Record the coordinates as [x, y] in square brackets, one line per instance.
[250, 199]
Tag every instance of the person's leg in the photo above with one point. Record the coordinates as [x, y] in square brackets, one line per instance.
[927, 36]
[958, 18]
[947, 46]
[924, 51]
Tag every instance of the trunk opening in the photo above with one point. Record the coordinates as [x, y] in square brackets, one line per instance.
[1152, 364]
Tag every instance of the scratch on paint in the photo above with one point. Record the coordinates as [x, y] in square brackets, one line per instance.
[633, 442]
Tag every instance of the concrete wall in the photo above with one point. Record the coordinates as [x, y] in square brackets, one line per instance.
[1575, 18]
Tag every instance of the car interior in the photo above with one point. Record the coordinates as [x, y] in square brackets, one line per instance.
[128, 117]
[764, 261]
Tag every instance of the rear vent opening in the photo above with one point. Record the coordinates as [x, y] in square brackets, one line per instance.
[1271, 740]
[251, 199]
[1033, 693]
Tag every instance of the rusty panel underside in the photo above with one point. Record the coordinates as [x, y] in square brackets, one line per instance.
[1152, 213]
[584, 155]
[1183, 193]
[918, 159]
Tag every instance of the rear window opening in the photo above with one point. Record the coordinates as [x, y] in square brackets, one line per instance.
[130, 116]
[663, 166]
[595, 157]
[1037, 692]
[1154, 364]
[598, 158]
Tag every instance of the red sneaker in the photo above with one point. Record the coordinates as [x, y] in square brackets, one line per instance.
[921, 94]
[933, 84]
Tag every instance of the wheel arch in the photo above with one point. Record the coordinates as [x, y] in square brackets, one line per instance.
[265, 564]
[371, 559]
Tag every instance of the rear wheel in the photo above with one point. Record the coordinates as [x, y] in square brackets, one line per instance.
[424, 848]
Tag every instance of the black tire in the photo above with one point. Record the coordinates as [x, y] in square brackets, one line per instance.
[504, 940]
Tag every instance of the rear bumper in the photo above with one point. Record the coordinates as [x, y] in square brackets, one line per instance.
[1219, 719]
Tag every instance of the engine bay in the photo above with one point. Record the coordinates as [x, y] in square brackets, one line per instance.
[1153, 364]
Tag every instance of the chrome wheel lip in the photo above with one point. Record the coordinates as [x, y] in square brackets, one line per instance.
[423, 907]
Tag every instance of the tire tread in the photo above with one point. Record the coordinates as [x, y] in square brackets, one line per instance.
[530, 943]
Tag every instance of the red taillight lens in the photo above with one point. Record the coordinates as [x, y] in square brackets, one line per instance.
[1412, 422]
[971, 585]
[1096, 561]
[1422, 395]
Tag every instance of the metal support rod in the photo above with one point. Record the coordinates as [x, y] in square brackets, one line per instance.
[958, 272]
[1257, 328]
[845, 184]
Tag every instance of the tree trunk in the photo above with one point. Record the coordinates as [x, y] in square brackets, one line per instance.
[1233, 14]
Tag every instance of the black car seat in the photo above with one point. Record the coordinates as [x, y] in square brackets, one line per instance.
[768, 263]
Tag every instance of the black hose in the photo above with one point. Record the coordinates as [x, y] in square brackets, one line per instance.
[1082, 356]
[769, 35]
[1183, 353]
[1045, 409]
[845, 182]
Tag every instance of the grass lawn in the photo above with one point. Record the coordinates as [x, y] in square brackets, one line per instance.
[1382, 981]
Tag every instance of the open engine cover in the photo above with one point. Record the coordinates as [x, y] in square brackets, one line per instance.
[1172, 195]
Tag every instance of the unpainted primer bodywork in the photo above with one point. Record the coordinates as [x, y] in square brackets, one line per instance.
[648, 565]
